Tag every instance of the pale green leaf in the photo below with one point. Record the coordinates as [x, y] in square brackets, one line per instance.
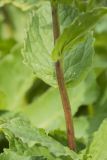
[27, 153]
[31, 136]
[39, 44]
[14, 80]
[80, 131]
[23, 149]
[18, 147]
[47, 111]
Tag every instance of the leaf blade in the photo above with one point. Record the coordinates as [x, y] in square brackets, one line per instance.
[78, 28]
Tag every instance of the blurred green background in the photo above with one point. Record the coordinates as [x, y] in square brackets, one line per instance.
[21, 92]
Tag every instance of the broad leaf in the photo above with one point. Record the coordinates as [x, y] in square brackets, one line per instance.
[39, 44]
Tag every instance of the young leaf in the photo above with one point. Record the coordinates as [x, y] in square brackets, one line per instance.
[78, 28]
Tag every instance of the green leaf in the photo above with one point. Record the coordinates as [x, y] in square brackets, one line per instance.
[37, 151]
[78, 61]
[39, 44]
[18, 147]
[97, 150]
[78, 28]
[14, 80]
[67, 13]
[31, 136]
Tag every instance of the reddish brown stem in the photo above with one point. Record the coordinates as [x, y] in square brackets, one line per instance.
[61, 85]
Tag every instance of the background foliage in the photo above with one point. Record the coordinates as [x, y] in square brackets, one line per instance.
[28, 88]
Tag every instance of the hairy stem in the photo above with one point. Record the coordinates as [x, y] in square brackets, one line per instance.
[61, 84]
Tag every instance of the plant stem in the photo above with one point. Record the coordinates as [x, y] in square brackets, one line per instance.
[61, 84]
